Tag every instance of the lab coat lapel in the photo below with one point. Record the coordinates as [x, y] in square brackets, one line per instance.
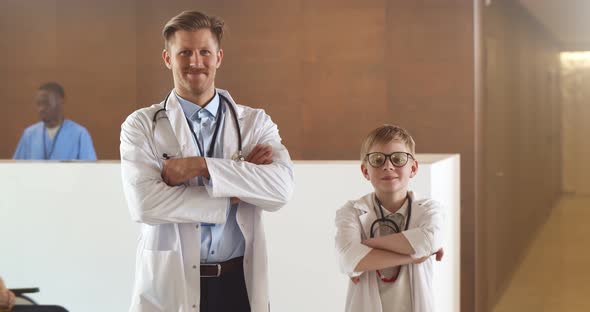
[230, 136]
[180, 127]
[366, 204]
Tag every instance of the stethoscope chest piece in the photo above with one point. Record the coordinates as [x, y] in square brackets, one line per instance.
[384, 226]
[238, 156]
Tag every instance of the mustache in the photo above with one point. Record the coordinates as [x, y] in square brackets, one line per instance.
[193, 70]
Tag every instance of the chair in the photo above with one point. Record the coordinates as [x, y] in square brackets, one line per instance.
[21, 298]
[25, 303]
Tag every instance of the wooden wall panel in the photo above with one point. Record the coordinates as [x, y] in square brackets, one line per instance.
[521, 143]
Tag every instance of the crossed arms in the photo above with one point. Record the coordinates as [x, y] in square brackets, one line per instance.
[168, 193]
[415, 245]
[390, 251]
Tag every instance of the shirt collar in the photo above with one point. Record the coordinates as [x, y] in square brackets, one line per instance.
[403, 210]
[191, 110]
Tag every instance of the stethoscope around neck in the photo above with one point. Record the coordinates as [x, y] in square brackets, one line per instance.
[385, 223]
[239, 157]
[382, 221]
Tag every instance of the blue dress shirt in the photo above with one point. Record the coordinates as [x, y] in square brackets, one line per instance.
[219, 242]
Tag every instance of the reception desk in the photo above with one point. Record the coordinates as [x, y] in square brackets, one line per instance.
[64, 227]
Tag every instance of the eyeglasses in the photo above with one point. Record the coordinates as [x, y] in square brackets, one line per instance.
[398, 159]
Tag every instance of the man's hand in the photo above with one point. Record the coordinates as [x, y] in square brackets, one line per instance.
[260, 155]
[7, 298]
[234, 200]
[179, 170]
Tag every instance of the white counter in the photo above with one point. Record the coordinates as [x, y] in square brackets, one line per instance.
[64, 227]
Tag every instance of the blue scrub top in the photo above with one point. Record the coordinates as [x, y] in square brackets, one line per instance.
[72, 142]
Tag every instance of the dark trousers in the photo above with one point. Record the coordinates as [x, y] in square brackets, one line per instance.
[38, 308]
[226, 293]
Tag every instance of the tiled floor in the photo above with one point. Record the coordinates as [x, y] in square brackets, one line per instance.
[555, 274]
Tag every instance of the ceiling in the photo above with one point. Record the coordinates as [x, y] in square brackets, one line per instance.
[567, 20]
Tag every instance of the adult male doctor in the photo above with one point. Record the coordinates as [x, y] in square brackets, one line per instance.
[202, 244]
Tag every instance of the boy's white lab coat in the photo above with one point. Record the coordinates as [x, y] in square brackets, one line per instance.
[353, 222]
[167, 276]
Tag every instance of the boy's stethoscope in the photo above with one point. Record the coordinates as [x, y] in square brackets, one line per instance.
[390, 226]
[386, 222]
[239, 157]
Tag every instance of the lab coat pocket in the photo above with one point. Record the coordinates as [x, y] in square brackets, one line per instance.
[160, 287]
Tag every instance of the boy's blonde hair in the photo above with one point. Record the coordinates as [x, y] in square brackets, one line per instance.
[386, 134]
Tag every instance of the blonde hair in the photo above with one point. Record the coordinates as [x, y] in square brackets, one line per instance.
[385, 134]
[191, 21]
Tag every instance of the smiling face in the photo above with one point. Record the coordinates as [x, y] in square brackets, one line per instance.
[389, 179]
[193, 57]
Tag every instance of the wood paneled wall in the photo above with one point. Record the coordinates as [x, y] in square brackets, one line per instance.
[521, 156]
[327, 71]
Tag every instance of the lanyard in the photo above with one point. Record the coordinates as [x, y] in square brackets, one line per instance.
[45, 156]
[214, 138]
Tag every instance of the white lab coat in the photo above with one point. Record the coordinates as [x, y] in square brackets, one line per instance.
[353, 222]
[167, 276]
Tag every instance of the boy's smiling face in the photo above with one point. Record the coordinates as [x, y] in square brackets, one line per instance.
[389, 179]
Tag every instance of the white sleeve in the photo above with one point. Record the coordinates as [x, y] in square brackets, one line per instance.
[349, 247]
[426, 239]
[149, 199]
[266, 186]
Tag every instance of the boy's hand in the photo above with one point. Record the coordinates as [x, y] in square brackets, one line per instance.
[420, 260]
[439, 255]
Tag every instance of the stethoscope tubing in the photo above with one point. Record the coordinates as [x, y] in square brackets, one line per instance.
[382, 219]
[234, 115]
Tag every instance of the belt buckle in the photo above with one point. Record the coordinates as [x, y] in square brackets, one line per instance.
[218, 265]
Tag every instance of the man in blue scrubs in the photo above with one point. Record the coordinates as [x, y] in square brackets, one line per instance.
[54, 138]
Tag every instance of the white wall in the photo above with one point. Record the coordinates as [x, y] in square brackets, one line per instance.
[64, 227]
[575, 77]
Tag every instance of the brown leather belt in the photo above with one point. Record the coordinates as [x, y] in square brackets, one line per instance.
[218, 269]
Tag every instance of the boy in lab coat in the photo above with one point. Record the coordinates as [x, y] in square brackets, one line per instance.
[385, 239]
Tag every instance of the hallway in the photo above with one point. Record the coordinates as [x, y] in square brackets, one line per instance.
[555, 273]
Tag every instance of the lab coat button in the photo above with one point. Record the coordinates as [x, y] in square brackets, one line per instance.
[194, 266]
[197, 226]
